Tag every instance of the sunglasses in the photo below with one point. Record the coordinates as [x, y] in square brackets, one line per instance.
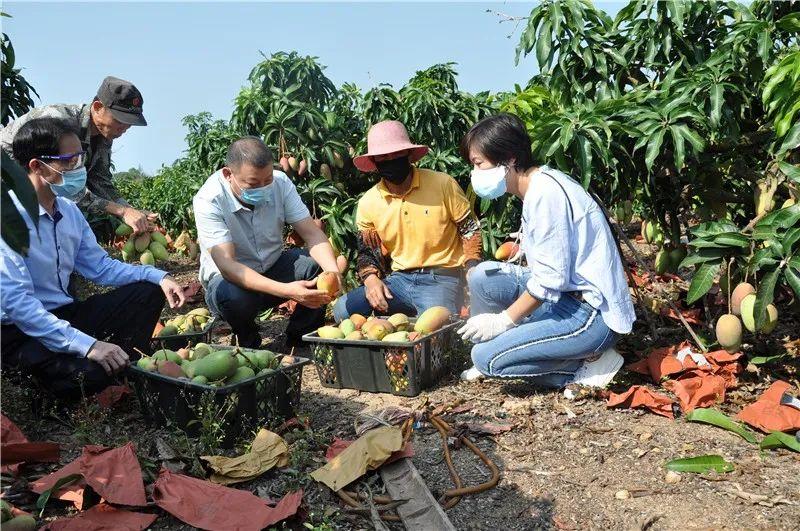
[79, 157]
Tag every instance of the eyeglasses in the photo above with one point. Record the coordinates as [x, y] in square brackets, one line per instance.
[72, 160]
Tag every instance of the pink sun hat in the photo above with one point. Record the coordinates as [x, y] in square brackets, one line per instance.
[386, 137]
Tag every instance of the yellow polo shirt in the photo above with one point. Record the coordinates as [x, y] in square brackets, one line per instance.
[419, 228]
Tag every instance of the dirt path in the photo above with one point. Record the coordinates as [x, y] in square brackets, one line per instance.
[563, 464]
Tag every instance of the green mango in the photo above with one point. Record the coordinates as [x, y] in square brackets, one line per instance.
[241, 374]
[264, 359]
[347, 326]
[662, 263]
[124, 230]
[158, 250]
[147, 364]
[201, 350]
[217, 365]
[147, 258]
[168, 330]
[200, 380]
[168, 355]
[158, 237]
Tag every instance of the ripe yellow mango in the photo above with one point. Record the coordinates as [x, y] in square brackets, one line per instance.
[330, 332]
[432, 320]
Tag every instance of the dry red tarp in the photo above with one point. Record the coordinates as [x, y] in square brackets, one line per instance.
[15, 448]
[111, 395]
[697, 388]
[103, 517]
[113, 473]
[640, 396]
[209, 506]
[768, 414]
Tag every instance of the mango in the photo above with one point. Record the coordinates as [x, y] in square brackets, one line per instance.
[262, 372]
[397, 337]
[188, 368]
[739, 293]
[651, 232]
[328, 282]
[124, 230]
[23, 522]
[146, 364]
[676, 256]
[347, 327]
[378, 330]
[200, 350]
[330, 332]
[772, 319]
[205, 312]
[729, 332]
[160, 238]
[142, 242]
[242, 360]
[129, 247]
[169, 330]
[358, 320]
[325, 171]
[662, 263]
[158, 250]
[506, 251]
[263, 359]
[400, 321]
[293, 164]
[217, 365]
[432, 320]
[167, 355]
[147, 258]
[284, 162]
[200, 380]
[747, 307]
[241, 374]
[169, 368]
[184, 353]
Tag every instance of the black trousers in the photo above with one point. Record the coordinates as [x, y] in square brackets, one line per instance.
[239, 307]
[125, 316]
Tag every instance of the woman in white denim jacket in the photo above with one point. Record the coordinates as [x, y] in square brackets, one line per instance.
[556, 320]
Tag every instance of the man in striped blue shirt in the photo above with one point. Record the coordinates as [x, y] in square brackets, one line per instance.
[73, 347]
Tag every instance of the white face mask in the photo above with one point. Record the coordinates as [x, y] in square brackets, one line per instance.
[491, 183]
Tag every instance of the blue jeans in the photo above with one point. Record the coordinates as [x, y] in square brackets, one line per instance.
[549, 345]
[239, 307]
[412, 294]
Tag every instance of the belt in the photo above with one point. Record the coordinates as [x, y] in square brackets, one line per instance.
[455, 272]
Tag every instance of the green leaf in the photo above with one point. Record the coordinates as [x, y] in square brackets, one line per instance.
[712, 228]
[654, 148]
[720, 420]
[41, 503]
[732, 239]
[791, 237]
[778, 439]
[793, 279]
[762, 360]
[700, 464]
[702, 281]
[791, 141]
[764, 296]
[716, 103]
[680, 150]
[701, 256]
[543, 45]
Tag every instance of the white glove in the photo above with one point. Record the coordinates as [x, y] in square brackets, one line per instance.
[486, 326]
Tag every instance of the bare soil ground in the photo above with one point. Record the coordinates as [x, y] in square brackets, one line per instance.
[563, 463]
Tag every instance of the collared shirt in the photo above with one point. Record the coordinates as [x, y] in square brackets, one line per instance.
[100, 189]
[256, 233]
[569, 247]
[420, 228]
[32, 286]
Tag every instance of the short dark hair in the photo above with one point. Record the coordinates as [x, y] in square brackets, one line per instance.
[40, 137]
[500, 138]
[249, 150]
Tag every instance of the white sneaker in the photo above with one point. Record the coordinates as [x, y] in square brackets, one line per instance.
[599, 372]
[472, 374]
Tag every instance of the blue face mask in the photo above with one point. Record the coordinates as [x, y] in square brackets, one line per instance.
[489, 184]
[256, 196]
[72, 182]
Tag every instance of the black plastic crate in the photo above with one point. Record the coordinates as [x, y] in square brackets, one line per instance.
[399, 368]
[174, 342]
[240, 408]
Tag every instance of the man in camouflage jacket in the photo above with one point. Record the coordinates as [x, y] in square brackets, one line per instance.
[117, 106]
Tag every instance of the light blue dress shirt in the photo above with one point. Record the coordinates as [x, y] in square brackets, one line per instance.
[569, 247]
[32, 286]
[257, 234]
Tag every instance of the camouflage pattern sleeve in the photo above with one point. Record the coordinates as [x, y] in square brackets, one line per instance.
[370, 257]
[470, 231]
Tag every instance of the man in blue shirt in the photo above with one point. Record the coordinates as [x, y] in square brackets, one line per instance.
[44, 331]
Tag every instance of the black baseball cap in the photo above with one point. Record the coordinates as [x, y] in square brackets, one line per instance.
[123, 99]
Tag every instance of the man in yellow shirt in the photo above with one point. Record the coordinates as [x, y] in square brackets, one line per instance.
[417, 232]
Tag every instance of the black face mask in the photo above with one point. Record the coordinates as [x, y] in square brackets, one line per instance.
[394, 171]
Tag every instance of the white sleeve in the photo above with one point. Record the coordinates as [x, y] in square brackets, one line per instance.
[549, 227]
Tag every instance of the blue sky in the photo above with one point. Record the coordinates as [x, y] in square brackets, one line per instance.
[192, 57]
